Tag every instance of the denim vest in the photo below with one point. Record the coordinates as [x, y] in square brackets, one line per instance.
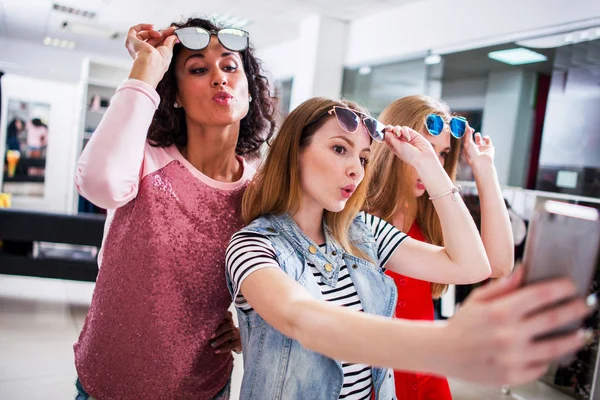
[278, 367]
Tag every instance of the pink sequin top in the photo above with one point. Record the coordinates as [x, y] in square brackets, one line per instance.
[161, 291]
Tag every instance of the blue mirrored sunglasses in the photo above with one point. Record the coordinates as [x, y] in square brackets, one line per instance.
[435, 125]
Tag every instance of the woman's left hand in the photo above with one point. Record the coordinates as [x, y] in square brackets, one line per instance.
[227, 337]
[479, 150]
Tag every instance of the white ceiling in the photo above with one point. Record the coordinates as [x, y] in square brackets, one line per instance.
[271, 21]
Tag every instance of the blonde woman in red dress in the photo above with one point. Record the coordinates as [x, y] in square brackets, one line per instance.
[398, 196]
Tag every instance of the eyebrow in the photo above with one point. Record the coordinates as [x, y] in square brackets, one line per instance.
[201, 55]
[350, 142]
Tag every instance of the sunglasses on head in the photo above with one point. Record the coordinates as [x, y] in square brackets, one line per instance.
[349, 120]
[435, 125]
[198, 38]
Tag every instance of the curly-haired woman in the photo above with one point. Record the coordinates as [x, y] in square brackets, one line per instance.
[166, 162]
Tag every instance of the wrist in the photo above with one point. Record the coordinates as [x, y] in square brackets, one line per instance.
[146, 69]
[434, 177]
[445, 349]
[439, 349]
[483, 169]
[428, 166]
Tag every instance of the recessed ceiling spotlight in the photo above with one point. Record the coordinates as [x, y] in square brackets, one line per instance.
[56, 42]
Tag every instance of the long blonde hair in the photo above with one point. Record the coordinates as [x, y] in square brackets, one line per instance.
[276, 189]
[391, 190]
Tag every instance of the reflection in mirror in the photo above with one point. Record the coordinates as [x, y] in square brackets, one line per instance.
[26, 144]
[508, 100]
[570, 147]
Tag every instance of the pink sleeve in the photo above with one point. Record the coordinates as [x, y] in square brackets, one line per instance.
[109, 169]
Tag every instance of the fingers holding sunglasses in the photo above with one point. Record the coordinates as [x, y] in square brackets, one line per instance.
[166, 49]
[143, 37]
[134, 30]
[469, 139]
[478, 149]
[401, 132]
[408, 144]
[478, 139]
[159, 37]
[133, 41]
[151, 56]
[148, 35]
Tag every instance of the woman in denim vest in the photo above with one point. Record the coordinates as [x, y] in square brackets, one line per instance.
[307, 274]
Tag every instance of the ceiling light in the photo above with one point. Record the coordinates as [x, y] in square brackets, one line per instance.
[517, 56]
[561, 39]
[73, 11]
[433, 59]
[91, 29]
[366, 70]
[56, 42]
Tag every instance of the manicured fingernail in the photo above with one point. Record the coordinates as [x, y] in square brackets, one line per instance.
[588, 336]
[592, 302]
[217, 351]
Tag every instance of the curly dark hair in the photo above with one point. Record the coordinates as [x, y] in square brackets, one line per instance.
[169, 127]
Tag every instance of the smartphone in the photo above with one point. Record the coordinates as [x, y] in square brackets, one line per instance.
[563, 241]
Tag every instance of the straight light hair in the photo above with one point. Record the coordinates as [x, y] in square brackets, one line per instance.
[276, 187]
[391, 189]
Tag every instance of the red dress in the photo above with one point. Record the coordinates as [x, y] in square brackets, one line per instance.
[415, 302]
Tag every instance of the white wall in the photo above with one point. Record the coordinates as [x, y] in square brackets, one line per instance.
[319, 59]
[39, 61]
[465, 94]
[279, 61]
[521, 152]
[507, 116]
[63, 126]
[438, 24]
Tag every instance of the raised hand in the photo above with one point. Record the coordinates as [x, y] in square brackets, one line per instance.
[409, 145]
[479, 151]
[492, 338]
[151, 50]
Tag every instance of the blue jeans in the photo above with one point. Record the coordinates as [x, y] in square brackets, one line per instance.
[81, 393]
[222, 395]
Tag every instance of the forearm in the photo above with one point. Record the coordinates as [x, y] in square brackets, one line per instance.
[108, 170]
[462, 241]
[496, 231]
[362, 338]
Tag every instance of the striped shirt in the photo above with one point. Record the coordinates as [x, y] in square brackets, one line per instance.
[248, 252]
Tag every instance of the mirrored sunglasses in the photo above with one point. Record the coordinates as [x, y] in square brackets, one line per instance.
[435, 125]
[198, 38]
